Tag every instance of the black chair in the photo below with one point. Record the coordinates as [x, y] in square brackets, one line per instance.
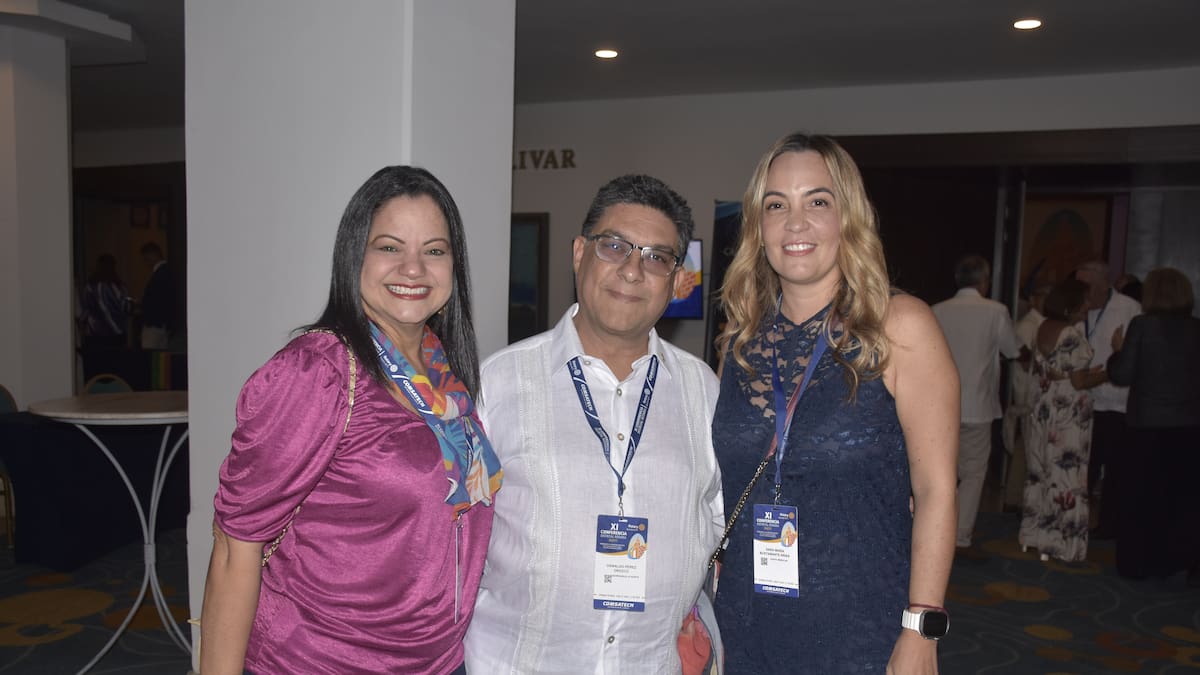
[106, 383]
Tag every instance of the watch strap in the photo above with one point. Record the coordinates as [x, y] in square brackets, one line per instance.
[911, 620]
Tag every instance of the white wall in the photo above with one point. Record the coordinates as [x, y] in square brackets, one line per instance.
[11, 369]
[706, 146]
[37, 355]
[462, 117]
[291, 105]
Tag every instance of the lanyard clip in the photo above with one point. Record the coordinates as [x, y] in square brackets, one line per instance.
[778, 493]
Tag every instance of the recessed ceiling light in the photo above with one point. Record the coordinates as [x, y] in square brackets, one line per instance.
[1027, 24]
[606, 53]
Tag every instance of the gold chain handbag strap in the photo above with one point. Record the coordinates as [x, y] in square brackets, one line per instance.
[737, 509]
[270, 551]
[275, 544]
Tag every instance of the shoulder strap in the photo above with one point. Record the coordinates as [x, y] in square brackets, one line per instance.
[719, 553]
[349, 411]
[353, 381]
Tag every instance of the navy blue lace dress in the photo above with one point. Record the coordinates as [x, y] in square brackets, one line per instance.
[846, 471]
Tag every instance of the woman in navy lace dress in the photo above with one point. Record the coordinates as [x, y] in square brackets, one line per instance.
[877, 423]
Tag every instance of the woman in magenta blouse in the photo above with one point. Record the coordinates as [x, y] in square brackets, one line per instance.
[354, 508]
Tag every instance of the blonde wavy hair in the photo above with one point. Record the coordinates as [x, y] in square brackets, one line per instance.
[751, 286]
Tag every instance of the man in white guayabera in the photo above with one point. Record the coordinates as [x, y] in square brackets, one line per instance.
[612, 500]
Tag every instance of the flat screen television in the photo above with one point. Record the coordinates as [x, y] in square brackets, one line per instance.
[689, 303]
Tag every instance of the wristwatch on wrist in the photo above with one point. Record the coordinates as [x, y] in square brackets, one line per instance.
[932, 624]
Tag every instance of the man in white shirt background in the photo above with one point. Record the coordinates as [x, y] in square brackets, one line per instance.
[1108, 311]
[979, 332]
[601, 425]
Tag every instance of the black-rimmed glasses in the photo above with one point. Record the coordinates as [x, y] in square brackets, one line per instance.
[655, 260]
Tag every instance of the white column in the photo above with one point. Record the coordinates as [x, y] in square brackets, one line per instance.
[462, 120]
[36, 355]
[291, 105]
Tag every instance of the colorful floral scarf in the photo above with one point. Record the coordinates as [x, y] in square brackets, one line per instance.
[471, 465]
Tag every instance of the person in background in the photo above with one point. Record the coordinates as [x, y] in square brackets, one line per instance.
[811, 310]
[1128, 284]
[980, 332]
[1025, 390]
[158, 300]
[1054, 517]
[104, 307]
[358, 455]
[603, 428]
[1159, 360]
[1108, 311]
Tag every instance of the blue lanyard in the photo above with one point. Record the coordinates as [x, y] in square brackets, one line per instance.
[784, 426]
[593, 419]
[397, 375]
[1100, 315]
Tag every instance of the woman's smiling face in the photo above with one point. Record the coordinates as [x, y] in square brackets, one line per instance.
[408, 270]
[801, 223]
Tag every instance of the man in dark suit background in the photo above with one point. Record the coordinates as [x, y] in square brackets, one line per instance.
[158, 300]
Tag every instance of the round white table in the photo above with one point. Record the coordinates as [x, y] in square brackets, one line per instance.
[142, 408]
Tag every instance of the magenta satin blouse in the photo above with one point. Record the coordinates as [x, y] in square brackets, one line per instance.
[364, 581]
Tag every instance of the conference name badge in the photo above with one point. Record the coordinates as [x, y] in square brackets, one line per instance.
[621, 551]
[776, 559]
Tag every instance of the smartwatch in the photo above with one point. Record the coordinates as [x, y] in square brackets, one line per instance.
[932, 624]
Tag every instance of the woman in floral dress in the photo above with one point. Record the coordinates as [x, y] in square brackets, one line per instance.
[1055, 517]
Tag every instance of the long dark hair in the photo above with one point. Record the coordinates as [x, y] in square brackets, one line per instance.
[1066, 298]
[344, 310]
[106, 271]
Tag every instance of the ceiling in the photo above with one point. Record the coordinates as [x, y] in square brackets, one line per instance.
[673, 47]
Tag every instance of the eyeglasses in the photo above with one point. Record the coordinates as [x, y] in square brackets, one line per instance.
[655, 260]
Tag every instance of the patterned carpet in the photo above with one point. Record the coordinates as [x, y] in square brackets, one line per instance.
[1010, 614]
[55, 623]
[1013, 613]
